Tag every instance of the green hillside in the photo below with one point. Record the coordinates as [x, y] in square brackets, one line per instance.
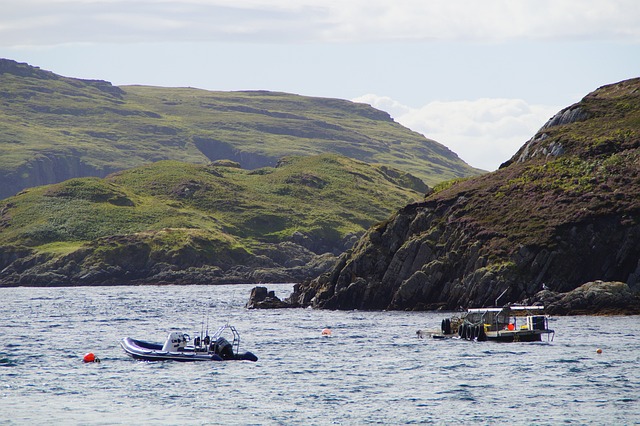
[54, 128]
[169, 216]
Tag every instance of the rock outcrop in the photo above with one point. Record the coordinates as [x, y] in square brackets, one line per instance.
[593, 298]
[262, 298]
[564, 211]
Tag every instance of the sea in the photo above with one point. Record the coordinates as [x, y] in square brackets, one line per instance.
[372, 369]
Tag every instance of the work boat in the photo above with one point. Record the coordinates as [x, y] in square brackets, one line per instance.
[178, 347]
[507, 324]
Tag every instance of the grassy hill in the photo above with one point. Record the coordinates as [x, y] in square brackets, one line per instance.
[54, 128]
[151, 221]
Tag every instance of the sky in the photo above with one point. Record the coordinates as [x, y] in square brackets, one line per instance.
[479, 76]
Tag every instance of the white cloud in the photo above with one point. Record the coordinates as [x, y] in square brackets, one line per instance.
[483, 132]
[103, 21]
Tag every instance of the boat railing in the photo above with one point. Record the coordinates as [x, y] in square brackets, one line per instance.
[236, 336]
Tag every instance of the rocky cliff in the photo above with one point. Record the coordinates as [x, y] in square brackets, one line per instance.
[564, 211]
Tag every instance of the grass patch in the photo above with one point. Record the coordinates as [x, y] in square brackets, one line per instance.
[60, 248]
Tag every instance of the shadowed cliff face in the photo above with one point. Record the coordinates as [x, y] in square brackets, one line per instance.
[47, 168]
[565, 210]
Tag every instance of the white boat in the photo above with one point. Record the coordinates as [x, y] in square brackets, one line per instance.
[178, 347]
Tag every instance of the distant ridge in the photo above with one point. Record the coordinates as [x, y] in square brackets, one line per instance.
[54, 128]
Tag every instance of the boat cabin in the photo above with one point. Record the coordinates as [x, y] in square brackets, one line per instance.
[507, 324]
[509, 318]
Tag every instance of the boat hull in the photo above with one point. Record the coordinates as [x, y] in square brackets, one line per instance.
[513, 336]
[148, 351]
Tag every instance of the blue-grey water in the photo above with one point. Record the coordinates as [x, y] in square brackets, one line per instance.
[372, 369]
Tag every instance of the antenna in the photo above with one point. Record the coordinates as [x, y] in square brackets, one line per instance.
[207, 322]
[202, 327]
[501, 294]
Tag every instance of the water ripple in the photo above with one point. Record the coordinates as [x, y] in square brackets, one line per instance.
[372, 370]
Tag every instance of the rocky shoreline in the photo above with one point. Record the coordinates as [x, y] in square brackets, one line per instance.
[135, 263]
[593, 298]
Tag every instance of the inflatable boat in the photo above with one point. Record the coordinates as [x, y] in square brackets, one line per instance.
[178, 347]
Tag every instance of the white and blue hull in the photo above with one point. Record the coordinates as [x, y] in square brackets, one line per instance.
[176, 348]
[147, 351]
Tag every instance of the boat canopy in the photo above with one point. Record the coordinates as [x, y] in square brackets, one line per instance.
[506, 308]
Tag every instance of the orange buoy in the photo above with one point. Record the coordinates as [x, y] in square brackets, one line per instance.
[90, 357]
[326, 332]
[511, 327]
[599, 351]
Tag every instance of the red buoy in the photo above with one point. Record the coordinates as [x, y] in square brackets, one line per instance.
[90, 357]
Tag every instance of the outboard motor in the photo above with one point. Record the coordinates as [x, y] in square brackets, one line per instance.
[537, 322]
[223, 348]
[175, 342]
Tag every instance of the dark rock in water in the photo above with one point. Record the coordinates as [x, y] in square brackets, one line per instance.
[593, 298]
[262, 298]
